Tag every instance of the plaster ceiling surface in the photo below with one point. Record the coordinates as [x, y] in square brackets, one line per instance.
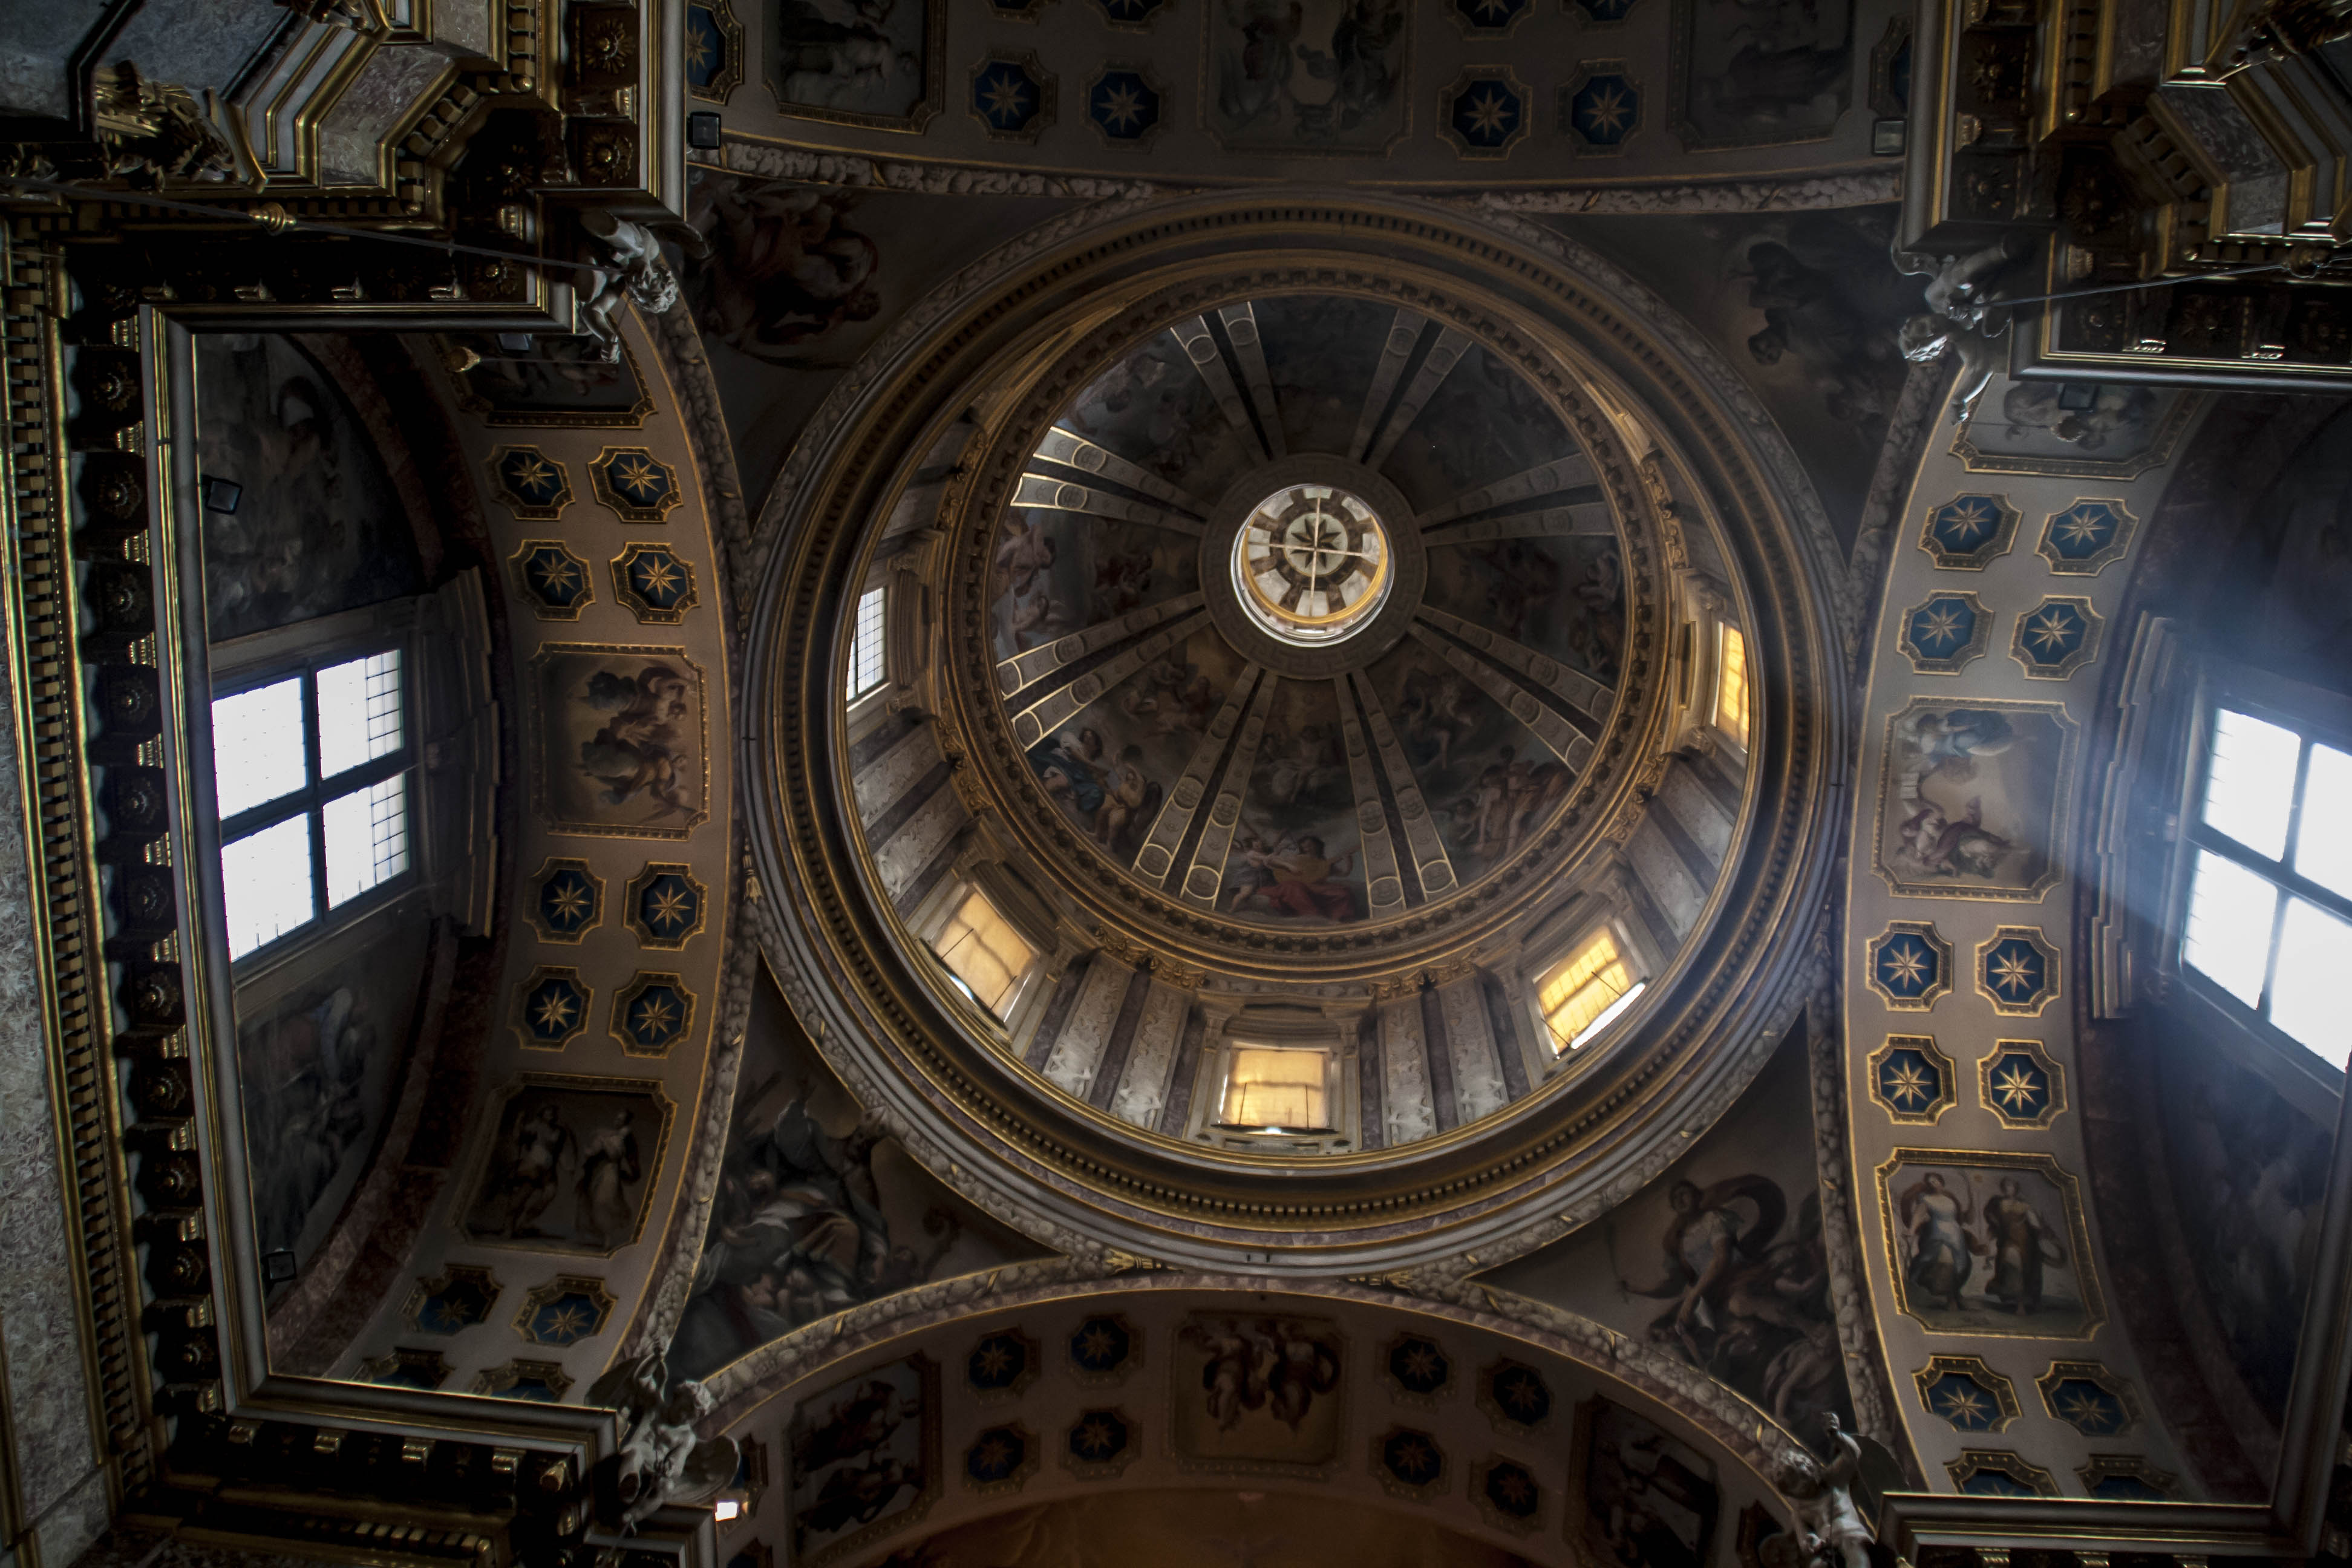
[1118, 712]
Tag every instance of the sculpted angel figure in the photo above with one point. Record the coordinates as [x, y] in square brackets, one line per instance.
[1961, 316]
[660, 1459]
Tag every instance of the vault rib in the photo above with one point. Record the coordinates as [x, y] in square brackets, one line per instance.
[1562, 739]
[1443, 356]
[1077, 452]
[1200, 346]
[1024, 670]
[1384, 883]
[1543, 479]
[1579, 519]
[1206, 879]
[1575, 688]
[1431, 864]
[1047, 493]
[1050, 712]
[1157, 857]
[1395, 353]
[1241, 331]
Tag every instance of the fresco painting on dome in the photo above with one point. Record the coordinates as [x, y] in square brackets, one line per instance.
[1759, 73]
[1056, 572]
[1202, 1528]
[1322, 354]
[1111, 767]
[817, 1208]
[788, 265]
[571, 1166]
[1720, 1261]
[865, 59]
[1258, 1390]
[1490, 783]
[1562, 597]
[318, 526]
[1484, 422]
[861, 1454]
[1286, 77]
[1296, 854]
[1993, 1245]
[2060, 424]
[1152, 408]
[1969, 798]
[319, 1068]
[621, 733]
[2248, 1174]
[1644, 1498]
[521, 378]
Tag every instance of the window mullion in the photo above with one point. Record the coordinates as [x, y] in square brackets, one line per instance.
[317, 794]
[2270, 962]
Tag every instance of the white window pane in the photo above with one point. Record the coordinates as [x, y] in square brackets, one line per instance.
[266, 882]
[359, 712]
[257, 751]
[367, 838]
[866, 645]
[2229, 936]
[2323, 846]
[2306, 994]
[2251, 785]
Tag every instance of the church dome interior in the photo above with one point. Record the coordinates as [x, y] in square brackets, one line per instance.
[889, 783]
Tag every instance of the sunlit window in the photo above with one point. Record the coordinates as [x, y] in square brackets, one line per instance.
[981, 949]
[1732, 684]
[1584, 996]
[866, 645]
[1275, 1089]
[310, 776]
[2270, 892]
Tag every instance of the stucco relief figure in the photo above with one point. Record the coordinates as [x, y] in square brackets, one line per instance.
[1834, 1509]
[660, 1460]
[785, 267]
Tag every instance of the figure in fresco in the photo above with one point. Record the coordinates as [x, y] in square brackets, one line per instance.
[1170, 696]
[785, 267]
[1251, 79]
[1037, 619]
[1023, 549]
[1941, 848]
[1518, 575]
[858, 55]
[1130, 801]
[1122, 580]
[1299, 879]
[641, 749]
[609, 1167]
[2019, 1242]
[1938, 1222]
[1071, 769]
[540, 1148]
[1711, 1238]
[1435, 713]
[1271, 1364]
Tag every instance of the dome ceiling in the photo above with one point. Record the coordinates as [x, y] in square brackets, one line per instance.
[1306, 616]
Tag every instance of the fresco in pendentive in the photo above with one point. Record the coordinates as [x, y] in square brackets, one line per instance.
[1489, 782]
[519, 378]
[1322, 354]
[572, 1163]
[1111, 766]
[2282, 596]
[1720, 1260]
[1284, 78]
[787, 265]
[1805, 306]
[2058, 422]
[1296, 851]
[1758, 73]
[1154, 409]
[621, 742]
[1562, 597]
[317, 527]
[1989, 1244]
[817, 1208]
[1969, 798]
[1061, 572]
[2249, 1178]
[1199, 1528]
[1646, 1499]
[1257, 1390]
[865, 59]
[1483, 423]
[320, 1070]
[860, 1453]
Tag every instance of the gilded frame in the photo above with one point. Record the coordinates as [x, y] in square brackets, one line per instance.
[2078, 1234]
